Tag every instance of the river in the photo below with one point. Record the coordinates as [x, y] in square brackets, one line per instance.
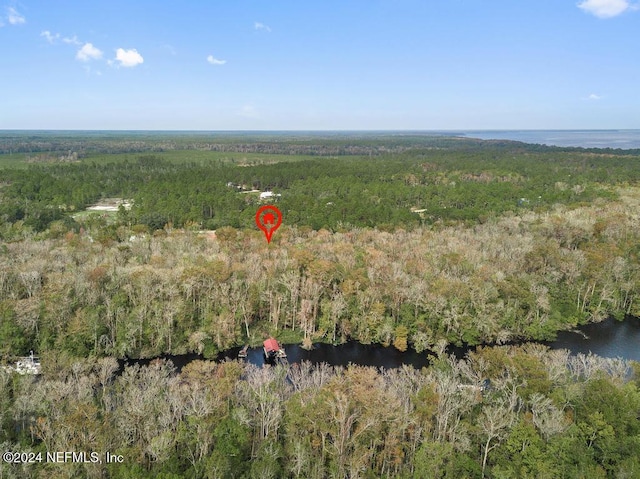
[610, 338]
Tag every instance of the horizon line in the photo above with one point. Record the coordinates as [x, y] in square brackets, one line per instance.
[444, 130]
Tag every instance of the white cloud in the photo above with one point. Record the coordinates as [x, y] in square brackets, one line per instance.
[593, 96]
[54, 38]
[49, 37]
[71, 41]
[14, 17]
[128, 58]
[88, 52]
[215, 61]
[606, 8]
[261, 26]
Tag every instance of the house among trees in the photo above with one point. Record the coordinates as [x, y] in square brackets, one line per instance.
[273, 351]
[267, 195]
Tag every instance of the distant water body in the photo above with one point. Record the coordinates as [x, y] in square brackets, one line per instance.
[625, 139]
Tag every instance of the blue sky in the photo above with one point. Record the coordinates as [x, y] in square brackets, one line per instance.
[319, 65]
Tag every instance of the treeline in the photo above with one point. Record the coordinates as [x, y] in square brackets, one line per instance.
[114, 290]
[389, 191]
[502, 412]
[292, 143]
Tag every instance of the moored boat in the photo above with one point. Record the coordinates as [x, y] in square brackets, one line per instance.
[242, 354]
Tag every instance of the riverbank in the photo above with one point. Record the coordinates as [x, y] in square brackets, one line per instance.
[609, 339]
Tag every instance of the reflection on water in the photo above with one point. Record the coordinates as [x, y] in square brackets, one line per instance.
[609, 338]
[343, 355]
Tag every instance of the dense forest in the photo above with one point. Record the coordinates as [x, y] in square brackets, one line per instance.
[543, 414]
[119, 291]
[499, 243]
[416, 241]
[443, 183]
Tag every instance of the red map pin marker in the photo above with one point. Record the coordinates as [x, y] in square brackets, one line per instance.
[268, 219]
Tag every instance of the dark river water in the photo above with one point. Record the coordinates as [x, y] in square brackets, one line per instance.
[343, 355]
[609, 338]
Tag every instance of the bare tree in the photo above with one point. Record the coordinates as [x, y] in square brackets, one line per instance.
[494, 421]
